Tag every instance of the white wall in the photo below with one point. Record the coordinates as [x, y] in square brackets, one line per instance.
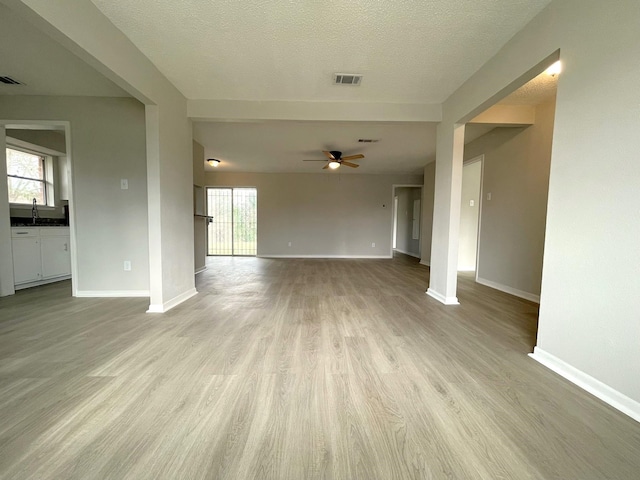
[405, 242]
[590, 284]
[516, 173]
[320, 214]
[469, 215]
[107, 144]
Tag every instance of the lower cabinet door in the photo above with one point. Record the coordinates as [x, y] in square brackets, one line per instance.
[56, 260]
[27, 266]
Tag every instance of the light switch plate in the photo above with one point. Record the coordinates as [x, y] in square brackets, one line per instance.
[124, 184]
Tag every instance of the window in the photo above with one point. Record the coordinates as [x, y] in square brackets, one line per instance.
[26, 177]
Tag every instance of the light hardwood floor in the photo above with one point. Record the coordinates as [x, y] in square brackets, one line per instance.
[295, 369]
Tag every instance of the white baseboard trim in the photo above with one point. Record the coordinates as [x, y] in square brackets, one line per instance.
[200, 270]
[325, 256]
[166, 306]
[407, 253]
[595, 387]
[41, 282]
[427, 264]
[111, 293]
[510, 290]
[442, 299]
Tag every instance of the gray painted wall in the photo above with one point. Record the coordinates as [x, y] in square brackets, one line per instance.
[404, 240]
[516, 173]
[320, 214]
[199, 223]
[107, 144]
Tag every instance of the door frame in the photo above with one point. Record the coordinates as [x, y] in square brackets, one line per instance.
[476, 159]
[4, 124]
[393, 196]
[206, 189]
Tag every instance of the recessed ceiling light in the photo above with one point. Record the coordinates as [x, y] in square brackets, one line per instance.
[554, 69]
[214, 162]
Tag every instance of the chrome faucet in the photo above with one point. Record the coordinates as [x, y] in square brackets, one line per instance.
[34, 211]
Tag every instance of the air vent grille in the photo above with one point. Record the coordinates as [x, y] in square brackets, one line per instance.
[347, 79]
[368, 140]
[9, 81]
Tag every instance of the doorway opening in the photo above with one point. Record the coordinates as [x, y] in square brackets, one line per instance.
[39, 226]
[234, 227]
[407, 205]
[470, 210]
[502, 235]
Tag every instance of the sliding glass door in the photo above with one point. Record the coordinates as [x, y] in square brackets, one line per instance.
[233, 230]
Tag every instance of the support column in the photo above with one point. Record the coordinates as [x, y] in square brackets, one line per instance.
[154, 207]
[446, 214]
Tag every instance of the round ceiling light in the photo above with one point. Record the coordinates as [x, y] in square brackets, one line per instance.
[334, 165]
[214, 162]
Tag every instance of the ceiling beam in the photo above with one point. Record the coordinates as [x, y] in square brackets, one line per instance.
[239, 110]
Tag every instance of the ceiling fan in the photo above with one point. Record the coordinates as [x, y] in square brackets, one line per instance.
[335, 159]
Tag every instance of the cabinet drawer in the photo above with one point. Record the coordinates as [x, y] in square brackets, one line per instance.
[54, 232]
[19, 232]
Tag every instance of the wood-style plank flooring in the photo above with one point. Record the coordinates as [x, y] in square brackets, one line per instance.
[295, 369]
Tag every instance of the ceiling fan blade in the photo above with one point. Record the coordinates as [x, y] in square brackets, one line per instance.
[316, 160]
[328, 154]
[325, 167]
[349, 164]
[353, 157]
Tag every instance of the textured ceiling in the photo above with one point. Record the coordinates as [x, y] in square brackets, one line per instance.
[281, 146]
[43, 65]
[536, 91]
[409, 51]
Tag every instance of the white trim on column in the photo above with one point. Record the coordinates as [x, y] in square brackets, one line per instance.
[442, 299]
[510, 290]
[166, 306]
[595, 387]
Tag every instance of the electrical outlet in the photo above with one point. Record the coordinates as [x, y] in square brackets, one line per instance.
[127, 265]
[373, 245]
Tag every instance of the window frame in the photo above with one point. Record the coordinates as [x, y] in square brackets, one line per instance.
[46, 160]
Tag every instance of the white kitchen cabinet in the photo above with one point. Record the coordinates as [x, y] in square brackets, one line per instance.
[40, 255]
[56, 260]
[27, 264]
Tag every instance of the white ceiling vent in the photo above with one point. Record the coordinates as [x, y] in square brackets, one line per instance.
[347, 79]
[9, 81]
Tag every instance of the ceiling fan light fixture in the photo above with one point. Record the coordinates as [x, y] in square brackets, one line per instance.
[333, 165]
[214, 162]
